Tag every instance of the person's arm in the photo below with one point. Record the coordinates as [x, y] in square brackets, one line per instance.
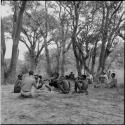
[34, 84]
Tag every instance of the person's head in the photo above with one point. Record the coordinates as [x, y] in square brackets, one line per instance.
[20, 76]
[40, 76]
[113, 75]
[31, 73]
[56, 75]
[84, 77]
[71, 72]
[103, 72]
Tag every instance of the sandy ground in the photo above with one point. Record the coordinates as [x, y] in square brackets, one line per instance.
[101, 106]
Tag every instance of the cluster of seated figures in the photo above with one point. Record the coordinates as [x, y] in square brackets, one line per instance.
[105, 80]
[63, 83]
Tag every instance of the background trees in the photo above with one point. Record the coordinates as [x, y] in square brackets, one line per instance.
[88, 30]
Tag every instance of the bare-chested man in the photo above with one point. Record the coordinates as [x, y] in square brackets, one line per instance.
[27, 82]
[81, 84]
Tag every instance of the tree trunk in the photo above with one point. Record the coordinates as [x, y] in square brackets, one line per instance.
[57, 65]
[93, 58]
[46, 46]
[16, 37]
[47, 58]
[63, 63]
[102, 54]
[79, 68]
[32, 60]
[63, 54]
[3, 50]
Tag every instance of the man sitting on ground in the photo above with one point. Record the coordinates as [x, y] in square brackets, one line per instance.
[81, 84]
[63, 85]
[27, 83]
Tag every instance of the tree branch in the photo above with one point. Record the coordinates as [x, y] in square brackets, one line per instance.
[25, 33]
[24, 41]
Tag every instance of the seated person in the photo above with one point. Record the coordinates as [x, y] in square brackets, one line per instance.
[109, 74]
[63, 85]
[53, 81]
[36, 78]
[67, 77]
[81, 84]
[40, 82]
[27, 83]
[71, 75]
[103, 78]
[17, 86]
[113, 82]
[90, 78]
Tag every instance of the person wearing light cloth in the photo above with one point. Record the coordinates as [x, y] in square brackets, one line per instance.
[103, 78]
[109, 75]
[27, 83]
[90, 79]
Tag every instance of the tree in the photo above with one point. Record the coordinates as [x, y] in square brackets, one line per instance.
[32, 36]
[111, 21]
[3, 51]
[17, 24]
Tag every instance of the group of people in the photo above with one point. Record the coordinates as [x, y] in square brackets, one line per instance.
[108, 79]
[25, 82]
[62, 84]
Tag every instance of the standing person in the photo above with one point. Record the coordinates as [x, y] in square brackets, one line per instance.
[27, 83]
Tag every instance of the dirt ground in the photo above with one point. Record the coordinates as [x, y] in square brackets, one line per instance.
[100, 106]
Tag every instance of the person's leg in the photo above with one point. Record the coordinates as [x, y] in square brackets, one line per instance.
[26, 96]
[76, 87]
[61, 88]
[48, 87]
[66, 86]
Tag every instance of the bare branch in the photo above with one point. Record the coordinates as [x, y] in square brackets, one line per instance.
[24, 41]
[28, 37]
